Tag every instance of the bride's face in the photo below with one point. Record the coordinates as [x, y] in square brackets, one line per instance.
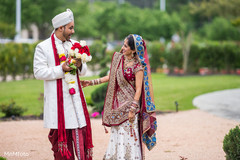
[126, 50]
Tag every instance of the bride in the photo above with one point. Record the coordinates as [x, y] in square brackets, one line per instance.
[128, 107]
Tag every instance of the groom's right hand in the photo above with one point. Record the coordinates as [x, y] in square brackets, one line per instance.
[65, 67]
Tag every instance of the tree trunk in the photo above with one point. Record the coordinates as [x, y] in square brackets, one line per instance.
[186, 45]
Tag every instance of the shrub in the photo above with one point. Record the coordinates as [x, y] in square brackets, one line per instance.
[104, 72]
[2, 158]
[173, 57]
[155, 53]
[7, 30]
[12, 109]
[98, 97]
[231, 144]
[89, 101]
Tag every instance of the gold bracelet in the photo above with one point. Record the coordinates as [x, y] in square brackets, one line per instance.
[135, 103]
[96, 82]
[132, 109]
[92, 82]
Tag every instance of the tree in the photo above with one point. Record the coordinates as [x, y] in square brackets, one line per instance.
[113, 20]
[227, 31]
[85, 21]
[156, 52]
[173, 5]
[32, 12]
[7, 19]
[40, 12]
[209, 9]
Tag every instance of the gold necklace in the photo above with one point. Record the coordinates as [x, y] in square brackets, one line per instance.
[127, 61]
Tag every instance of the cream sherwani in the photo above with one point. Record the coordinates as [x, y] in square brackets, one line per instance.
[45, 69]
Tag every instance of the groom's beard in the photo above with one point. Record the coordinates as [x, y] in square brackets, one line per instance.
[66, 36]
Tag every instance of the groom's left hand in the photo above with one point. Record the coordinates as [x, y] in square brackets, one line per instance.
[85, 83]
[78, 62]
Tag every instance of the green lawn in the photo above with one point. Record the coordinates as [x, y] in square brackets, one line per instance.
[167, 90]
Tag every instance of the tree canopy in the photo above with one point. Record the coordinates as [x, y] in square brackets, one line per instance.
[115, 21]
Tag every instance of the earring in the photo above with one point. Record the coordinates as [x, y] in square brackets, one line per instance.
[132, 55]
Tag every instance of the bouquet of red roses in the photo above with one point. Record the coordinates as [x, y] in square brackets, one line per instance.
[80, 50]
[77, 51]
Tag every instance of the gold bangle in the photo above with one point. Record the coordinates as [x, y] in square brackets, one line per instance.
[132, 109]
[136, 101]
[96, 81]
[92, 82]
[135, 104]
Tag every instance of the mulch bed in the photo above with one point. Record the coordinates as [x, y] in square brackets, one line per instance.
[19, 118]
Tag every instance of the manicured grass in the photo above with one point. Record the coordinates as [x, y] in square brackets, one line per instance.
[167, 90]
[26, 94]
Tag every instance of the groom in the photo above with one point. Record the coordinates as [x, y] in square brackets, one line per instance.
[67, 119]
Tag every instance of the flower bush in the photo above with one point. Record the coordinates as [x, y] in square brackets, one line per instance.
[95, 114]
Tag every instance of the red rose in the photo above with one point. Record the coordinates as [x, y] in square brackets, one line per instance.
[86, 50]
[72, 91]
[81, 50]
[76, 45]
[63, 58]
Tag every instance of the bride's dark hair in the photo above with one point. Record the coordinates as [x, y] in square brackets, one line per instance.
[131, 42]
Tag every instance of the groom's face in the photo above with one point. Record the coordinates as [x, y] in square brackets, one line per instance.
[68, 30]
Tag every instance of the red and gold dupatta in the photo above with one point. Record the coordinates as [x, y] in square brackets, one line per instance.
[119, 96]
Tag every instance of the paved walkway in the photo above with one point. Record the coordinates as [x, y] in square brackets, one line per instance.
[193, 134]
[224, 103]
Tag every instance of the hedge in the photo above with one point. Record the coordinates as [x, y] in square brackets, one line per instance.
[16, 59]
[216, 56]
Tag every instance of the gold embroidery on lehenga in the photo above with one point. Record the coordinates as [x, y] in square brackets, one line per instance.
[127, 127]
[114, 157]
[128, 152]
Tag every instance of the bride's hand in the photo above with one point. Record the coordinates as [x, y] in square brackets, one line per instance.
[85, 83]
[131, 116]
